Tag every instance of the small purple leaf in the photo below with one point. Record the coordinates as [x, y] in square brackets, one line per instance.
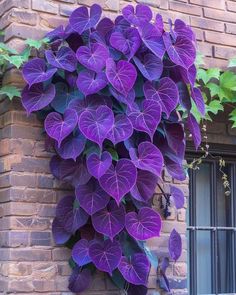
[35, 98]
[177, 196]
[175, 245]
[142, 14]
[94, 57]
[110, 220]
[119, 180]
[64, 59]
[150, 66]
[136, 269]
[59, 127]
[97, 166]
[60, 235]
[35, 71]
[121, 130]
[143, 225]
[122, 75]
[96, 124]
[79, 280]
[127, 99]
[90, 82]
[189, 75]
[175, 169]
[80, 252]
[194, 129]
[165, 93]
[80, 20]
[92, 197]
[198, 99]
[106, 256]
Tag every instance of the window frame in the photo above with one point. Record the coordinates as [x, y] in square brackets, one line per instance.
[228, 152]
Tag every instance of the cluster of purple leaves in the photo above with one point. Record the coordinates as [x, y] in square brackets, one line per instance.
[108, 93]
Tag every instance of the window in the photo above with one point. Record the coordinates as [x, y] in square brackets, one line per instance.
[212, 230]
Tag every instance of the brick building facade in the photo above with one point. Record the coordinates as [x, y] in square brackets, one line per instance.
[30, 263]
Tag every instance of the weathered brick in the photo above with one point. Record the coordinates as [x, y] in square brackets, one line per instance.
[14, 239]
[24, 223]
[40, 239]
[17, 269]
[66, 9]
[30, 254]
[205, 48]
[219, 15]
[112, 5]
[231, 6]
[152, 3]
[180, 269]
[219, 38]
[210, 3]
[19, 179]
[48, 6]
[185, 8]
[44, 285]
[23, 17]
[52, 21]
[206, 24]
[47, 210]
[20, 286]
[6, 5]
[231, 29]
[60, 254]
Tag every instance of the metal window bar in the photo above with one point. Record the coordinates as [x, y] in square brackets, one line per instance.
[213, 229]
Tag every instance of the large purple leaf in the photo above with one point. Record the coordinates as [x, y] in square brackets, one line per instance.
[174, 135]
[136, 269]
[119, 180]
[37, 97]
[70, 215]
[59, 127]
[184, 97]
[175, 169]
[98, 165]
[79, 280]
[145, 186]
[141, 14]
[71, 147]
[143, 225]
[80, 252]
[198, 99]
[189, 75]
[165, 93]
[60, 235]
[150, 66]
[64, 59]
[57, 33]
[182, 52]
[194, 129]
[159, 24]
[127, 99]
[177, 196]
[96, 124]
[35, 71]
[175, 245]
[110, 220]
[121, 23]
[147, 117]
[92, 197]
[106, 256]
[138, 290]
[93, 57]
[149, 158]
[122, 75]
[152, 39]
[121, 130]
[90, 82]
[181, 29]
[128, 41]
[80, 20]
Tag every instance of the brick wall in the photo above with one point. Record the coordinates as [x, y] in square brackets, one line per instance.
[30, 262]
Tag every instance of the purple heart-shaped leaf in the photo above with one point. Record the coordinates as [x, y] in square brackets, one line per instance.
[122, 75]
[98, 165]
[175, 245]
[147, 117]
[119, 180]
[90, 82]
[37, 97]
[110, 220]
[121, 130]
[80, 20]
[152, 39]
[106, 256]
[149, 158]
[59, 127]
[143, 225]
[178, 196]
[35, 71]
[80, 252]
[135, 270]
[174, 135]
[79, 280]
[181, 29]
[71, 216]
[128, 99]
[182, 52]
[194, 129]
[92, 197]
[71, 147]
[198, 99]
[150, 66]
[60, 235]
[128, 41]
[189, 75]
[175, 169]
[93, 57]
[165, 93]
[64, 59]
[137, 17]
[95, 124]
[145, 186]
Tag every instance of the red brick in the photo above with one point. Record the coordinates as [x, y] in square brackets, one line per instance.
[205, 48]
[231, 29]
[210, 3]
[185, 8]
[206, 24]
[226, 53]
[219, 38]
[219, 15]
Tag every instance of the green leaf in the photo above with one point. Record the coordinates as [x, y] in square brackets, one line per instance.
[10, 91]
[214, 107]
[213, 88]
[199, 59]
[4, 47]
[114, 154]
[228, 81]
[16, 60]
[36, 43]
[202, 75]
[213, 73]
[232, 117]
[232, 63]
[195, 112]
